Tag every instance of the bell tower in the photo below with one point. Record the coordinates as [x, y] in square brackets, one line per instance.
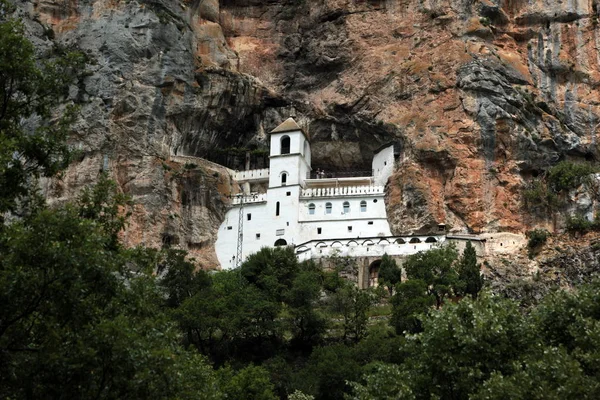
[289, 160]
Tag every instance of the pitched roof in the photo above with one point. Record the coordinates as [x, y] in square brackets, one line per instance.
[287, 126]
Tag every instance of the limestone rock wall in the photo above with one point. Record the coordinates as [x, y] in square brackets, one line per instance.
[482, 96]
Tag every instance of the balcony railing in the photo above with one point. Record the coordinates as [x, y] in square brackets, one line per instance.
[339, 174]
[342, 191]
[249, 198]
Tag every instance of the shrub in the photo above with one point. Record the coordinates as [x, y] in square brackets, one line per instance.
[537, 195]
[580, 224]
[537, 238]
[568, 175]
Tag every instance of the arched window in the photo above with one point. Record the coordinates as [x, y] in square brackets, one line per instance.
[280, 242]
[283, 179]
[346, 207]
[328, 208]
[285, 145]
[311, 209]
[363, 206]
[277, 209]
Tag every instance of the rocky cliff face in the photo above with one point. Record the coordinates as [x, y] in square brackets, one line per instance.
[481, 95]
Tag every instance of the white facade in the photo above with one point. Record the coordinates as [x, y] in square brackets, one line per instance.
[295, 209]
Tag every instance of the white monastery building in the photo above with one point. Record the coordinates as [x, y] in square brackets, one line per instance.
[319, 217]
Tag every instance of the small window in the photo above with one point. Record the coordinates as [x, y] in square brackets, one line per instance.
[283, 179]
[318, 231]
[370, 222]
[349, 229]
[311, 209]
[363, 206]
[328, 208]
[249, 217]
[346, 207]
[385, 163]
[288, 193]
[277, 209]
[258, 236]
[285, 145]
[229, 228]
[374, 200]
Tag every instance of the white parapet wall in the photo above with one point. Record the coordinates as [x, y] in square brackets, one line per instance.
[252, 175]
[367, 247]
[249, 198]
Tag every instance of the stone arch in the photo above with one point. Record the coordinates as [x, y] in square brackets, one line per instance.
[280, 242]
[368, 242]
[352, 243]
[301, 249]
[431, 240]
[415, 240]
[400, 241]
[374, 273]
[336, 244]
[321, 244]
[383, 241]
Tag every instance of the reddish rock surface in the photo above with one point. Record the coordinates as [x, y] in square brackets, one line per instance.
[481, 96]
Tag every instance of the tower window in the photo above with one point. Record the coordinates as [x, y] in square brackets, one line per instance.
[277, 209]
[249, 216]
[311, 209]
[328, 208]
[258, 236]
[285, 145]
[363, 206]
[346, 207]
[229, 228]
[349, 229]
[288, 193]
[283, 179]
[318, 231]
[370, 223]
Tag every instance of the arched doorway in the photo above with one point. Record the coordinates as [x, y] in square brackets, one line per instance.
[374, 273]
[280, 242]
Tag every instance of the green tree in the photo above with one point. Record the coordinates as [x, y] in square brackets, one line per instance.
[389, 273]
[77, 323]
[550, 374]
[382, 382]
[463, 344]
[32, 139]
[435, 268]
[251, 383]
[306, 322]
[409, 304]
[271, 270]
[328, 371]
[354, 305]
[470, 280]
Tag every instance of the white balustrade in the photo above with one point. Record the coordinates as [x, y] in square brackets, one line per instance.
[251, 198]
[341, 191]
[253, 174]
